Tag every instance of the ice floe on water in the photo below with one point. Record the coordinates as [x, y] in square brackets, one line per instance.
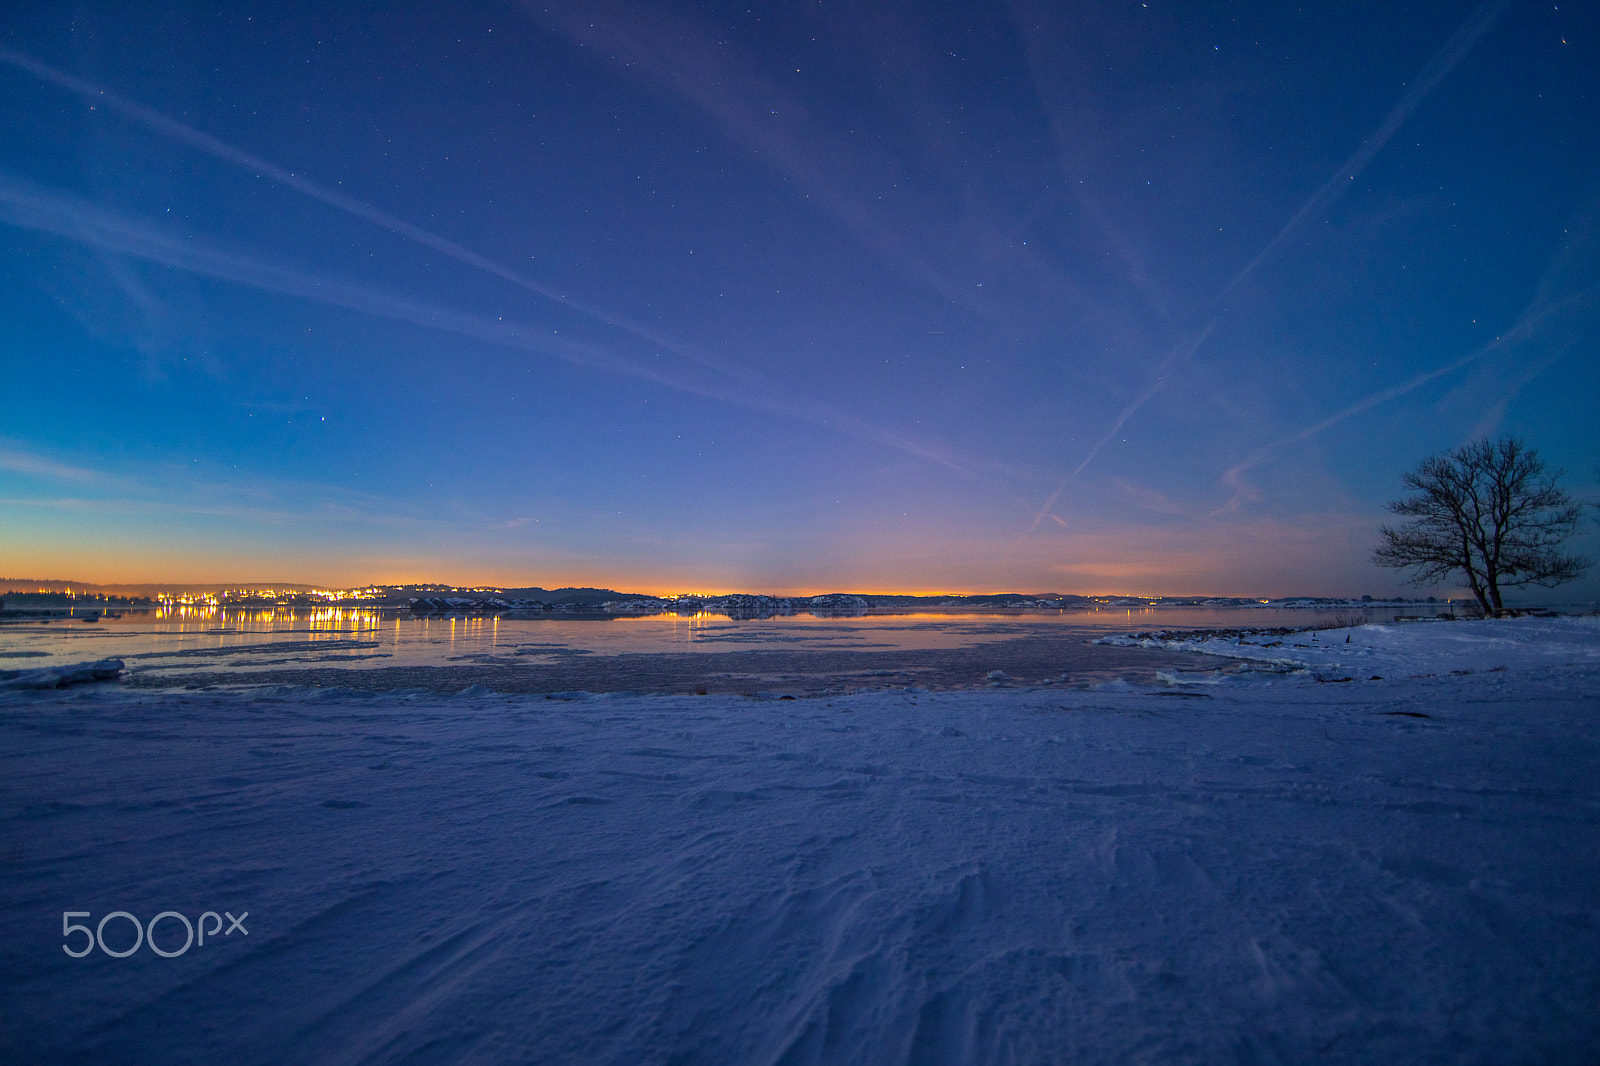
[1207, 870]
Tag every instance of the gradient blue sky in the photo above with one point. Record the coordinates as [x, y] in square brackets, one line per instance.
[1087, 297]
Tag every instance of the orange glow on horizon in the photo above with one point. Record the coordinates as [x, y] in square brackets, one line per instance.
[1246, 559]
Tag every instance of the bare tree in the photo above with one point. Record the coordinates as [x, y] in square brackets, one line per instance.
[1490, 512]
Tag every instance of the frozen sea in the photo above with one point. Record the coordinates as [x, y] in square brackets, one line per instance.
[1383, 846]
[559, 651]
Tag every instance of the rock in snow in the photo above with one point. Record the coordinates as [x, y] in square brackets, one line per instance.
[61, 676]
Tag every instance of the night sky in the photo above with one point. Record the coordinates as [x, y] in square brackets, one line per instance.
[1083, 297]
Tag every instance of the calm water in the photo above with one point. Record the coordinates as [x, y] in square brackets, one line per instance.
[187, 640]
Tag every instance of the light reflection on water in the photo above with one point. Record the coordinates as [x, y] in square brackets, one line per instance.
[189, 639]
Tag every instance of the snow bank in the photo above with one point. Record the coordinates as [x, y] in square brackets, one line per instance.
[1396, 650]
[1394, 871]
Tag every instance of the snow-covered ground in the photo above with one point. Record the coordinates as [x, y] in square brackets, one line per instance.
[1263, 868]
[1395, 651]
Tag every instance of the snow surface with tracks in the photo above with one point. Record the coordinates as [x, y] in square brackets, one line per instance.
[1252, 868]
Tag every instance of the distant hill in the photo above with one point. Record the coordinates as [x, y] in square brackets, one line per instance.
[988, 599]
[584, 596]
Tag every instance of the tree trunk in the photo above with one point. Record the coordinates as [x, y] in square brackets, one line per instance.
[1473, 581]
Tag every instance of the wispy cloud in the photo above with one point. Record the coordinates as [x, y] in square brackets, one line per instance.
[1168, 365]
[1076, 142]
[23, 462]
[1532, 322]
[27, 206]
[1574, 268]
[188, 489]
[1149, 499]
[253, 164]
[113, 505]
[205, 490]
[1445, 60]
[1259, 557]
[760, 393]
[842, 177]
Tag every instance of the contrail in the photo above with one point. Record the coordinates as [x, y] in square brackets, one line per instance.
[762, 117]
[1177, 356]
[1443, 62]
[779, 403]
[1050, 101]
[29, 207]
[1530, 323]
[226, 152]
